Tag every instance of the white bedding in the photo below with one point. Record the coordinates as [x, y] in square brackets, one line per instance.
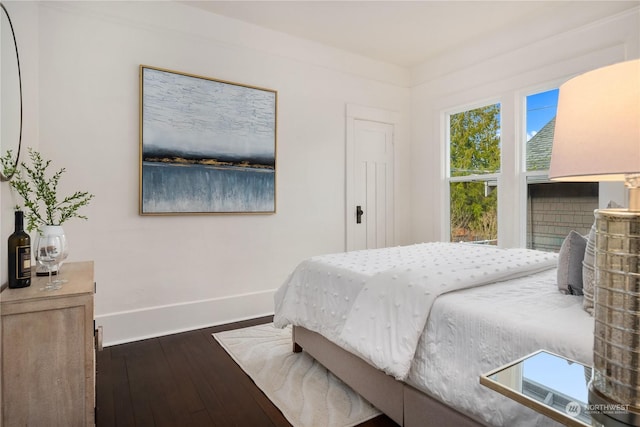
[474, 331]
[389, 314]
[468, 332]
[384, 297]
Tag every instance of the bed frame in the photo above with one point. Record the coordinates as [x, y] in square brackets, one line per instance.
[401, 402]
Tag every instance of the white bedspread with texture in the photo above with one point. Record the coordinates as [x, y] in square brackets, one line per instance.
[410, 298]
[383, 321]
[472, 332]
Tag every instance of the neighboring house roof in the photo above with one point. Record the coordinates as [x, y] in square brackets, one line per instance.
[554, 398]
[539, 148]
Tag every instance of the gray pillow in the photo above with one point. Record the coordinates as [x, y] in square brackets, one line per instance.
[588, 271]
[570, 264]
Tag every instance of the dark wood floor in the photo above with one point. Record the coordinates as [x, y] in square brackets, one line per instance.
[183, 380]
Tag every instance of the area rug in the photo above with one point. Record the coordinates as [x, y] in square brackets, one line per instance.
[305, 392]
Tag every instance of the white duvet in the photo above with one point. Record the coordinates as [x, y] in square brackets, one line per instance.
[379, 301]
[472, 332]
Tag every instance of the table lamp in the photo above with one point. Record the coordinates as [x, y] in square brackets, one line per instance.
[597, 138]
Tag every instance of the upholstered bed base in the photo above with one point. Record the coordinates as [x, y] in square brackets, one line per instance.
[402, 403]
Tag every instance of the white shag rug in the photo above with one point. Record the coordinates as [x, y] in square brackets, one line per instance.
[305, 392]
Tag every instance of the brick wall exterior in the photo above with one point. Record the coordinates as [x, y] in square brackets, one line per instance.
[556, 209]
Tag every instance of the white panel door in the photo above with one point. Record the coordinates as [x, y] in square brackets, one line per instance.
[372, 204]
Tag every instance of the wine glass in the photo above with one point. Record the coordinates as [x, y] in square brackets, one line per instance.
[49, 250]
[65, 253]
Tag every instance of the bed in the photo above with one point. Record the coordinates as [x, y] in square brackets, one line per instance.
[412, 328]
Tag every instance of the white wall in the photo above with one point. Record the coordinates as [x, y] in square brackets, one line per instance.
[160, 274]
[473, 80]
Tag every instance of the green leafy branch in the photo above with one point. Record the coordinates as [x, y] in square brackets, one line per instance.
[40, 194]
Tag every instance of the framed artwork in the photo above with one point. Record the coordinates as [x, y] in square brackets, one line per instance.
[206, 145]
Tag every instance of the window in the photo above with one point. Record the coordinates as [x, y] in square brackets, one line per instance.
[540, 121]
[553, 208]
[474, 168]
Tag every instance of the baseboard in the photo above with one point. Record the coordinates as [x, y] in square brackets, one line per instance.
[134, 325]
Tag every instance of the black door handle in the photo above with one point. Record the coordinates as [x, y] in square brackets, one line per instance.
[359, 213]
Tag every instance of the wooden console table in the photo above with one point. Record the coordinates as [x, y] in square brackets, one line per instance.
[48, 356]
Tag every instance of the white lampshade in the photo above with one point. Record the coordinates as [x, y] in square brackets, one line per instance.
[597, 132]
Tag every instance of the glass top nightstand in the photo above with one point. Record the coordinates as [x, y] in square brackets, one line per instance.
[554, 386]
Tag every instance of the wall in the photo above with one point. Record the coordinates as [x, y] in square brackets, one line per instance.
[161, 274]
[556, 209]
[478, 75]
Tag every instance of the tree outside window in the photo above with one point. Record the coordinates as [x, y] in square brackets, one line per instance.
[474, 147]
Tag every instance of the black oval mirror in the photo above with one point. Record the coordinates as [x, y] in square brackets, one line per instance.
[10, 98]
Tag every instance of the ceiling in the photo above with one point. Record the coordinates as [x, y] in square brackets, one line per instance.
[407, 33]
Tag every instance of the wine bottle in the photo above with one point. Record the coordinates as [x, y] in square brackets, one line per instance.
[19, 250]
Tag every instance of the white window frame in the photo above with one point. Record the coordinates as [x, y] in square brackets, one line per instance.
[512, 196]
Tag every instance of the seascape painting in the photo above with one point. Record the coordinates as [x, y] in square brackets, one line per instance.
[206, 146]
